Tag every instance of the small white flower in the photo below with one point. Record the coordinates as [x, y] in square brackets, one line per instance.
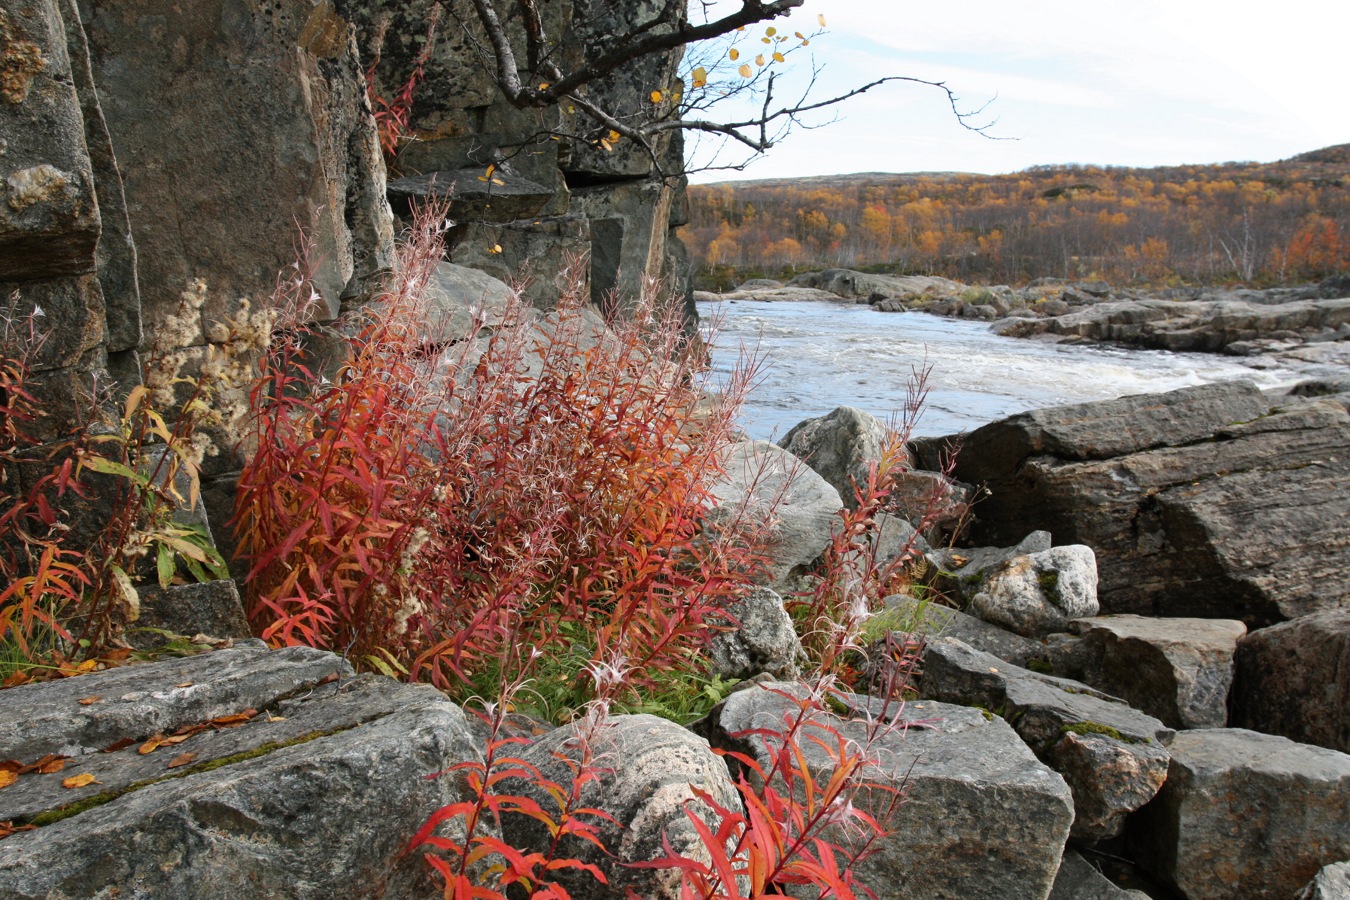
[38, 312]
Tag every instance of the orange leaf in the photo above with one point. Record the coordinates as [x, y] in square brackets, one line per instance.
[7, 778]
[182, 759]
[51, 767]
[79, 781]
[90, 701]
[151, 745]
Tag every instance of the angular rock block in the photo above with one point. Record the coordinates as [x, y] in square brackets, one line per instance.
[1165, 488]
[1078, 879]
[1038, 593]
[1245, 815]
[982, 818]
[273, 784]
[1293, 679]
[1113, 757]
[1332, 883]
[763, 640]
[1179, 670]
[839, 446]
[648, 770]
[759, 475]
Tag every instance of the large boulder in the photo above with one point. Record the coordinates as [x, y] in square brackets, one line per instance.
[862, 286]
[1113, 757]
[1293, 679]
[1165, 489]
[840, 446]
[761, 640]
[1245, 815]
[242, 772]
[640, 771]
[761, 479]
[1031, 588]
[1178, 670]
[982, 819]
[1332, 883]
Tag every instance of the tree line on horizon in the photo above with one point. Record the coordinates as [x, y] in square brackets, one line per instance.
[1253, 223]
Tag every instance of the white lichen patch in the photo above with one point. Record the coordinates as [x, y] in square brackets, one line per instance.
[37, 184]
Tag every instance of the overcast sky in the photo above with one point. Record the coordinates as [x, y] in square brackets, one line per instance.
[1108, 82]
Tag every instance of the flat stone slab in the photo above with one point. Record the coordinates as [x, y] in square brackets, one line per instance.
[1179, 670]
[1078, 879]
[982, 819]
[274, 800]
[1113, 757]
[139, 701]
[472, 194]
[1245, 815]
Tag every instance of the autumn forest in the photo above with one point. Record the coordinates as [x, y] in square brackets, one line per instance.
[1254, 223]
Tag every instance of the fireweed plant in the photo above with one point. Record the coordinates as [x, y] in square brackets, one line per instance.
[523, 495]
[516, 511]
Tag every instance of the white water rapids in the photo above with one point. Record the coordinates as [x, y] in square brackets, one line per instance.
[821, 355]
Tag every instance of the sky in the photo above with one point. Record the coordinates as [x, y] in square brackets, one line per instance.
[1102, 82]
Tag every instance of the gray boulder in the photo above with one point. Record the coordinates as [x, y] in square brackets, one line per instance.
[931, 501]
[839, 446]
[1113, 757]
[648, 771]
[760, 478]
[255, 796]
[1038, 593]
[1165, 489]
[1178, 670]
[1245, 815]
[457, 296]
[1078, 879]
[762, 640]
[1031, 588]
[1332, 883]
[1293, 679]
[848, 283]
[982, 819]
[932, 621]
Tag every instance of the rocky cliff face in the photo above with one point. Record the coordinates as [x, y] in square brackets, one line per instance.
[146, 144]
[557, 195]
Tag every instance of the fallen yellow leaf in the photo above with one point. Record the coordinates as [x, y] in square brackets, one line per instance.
[182, 759]
[90, 701]
[7, 778]
[79, 781]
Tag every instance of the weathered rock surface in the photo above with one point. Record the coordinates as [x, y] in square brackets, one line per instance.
[648, 770]
[1179, 325]
[1038, 593]
[262, 808]
[212, 608]
[1332, 883]
[848, 283]
[49, 217]
[471, 194]
[982, 818]
[765, 294]
[758, 475]
[933, 622]
[1245, 815]
[1178, 670]
[259, 128]
[932, 501]
[840, 446]
[1165, 489]
[1113, 757]
[1293, 679]
[763, 640]
[458, 298]
[1079, 880]
[1031, 588]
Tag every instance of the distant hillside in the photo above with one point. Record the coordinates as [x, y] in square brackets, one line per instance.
[1236, 221]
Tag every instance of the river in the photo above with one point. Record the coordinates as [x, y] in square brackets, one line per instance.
[821, 355]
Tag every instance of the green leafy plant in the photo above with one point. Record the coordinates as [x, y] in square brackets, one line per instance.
[86, 517]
